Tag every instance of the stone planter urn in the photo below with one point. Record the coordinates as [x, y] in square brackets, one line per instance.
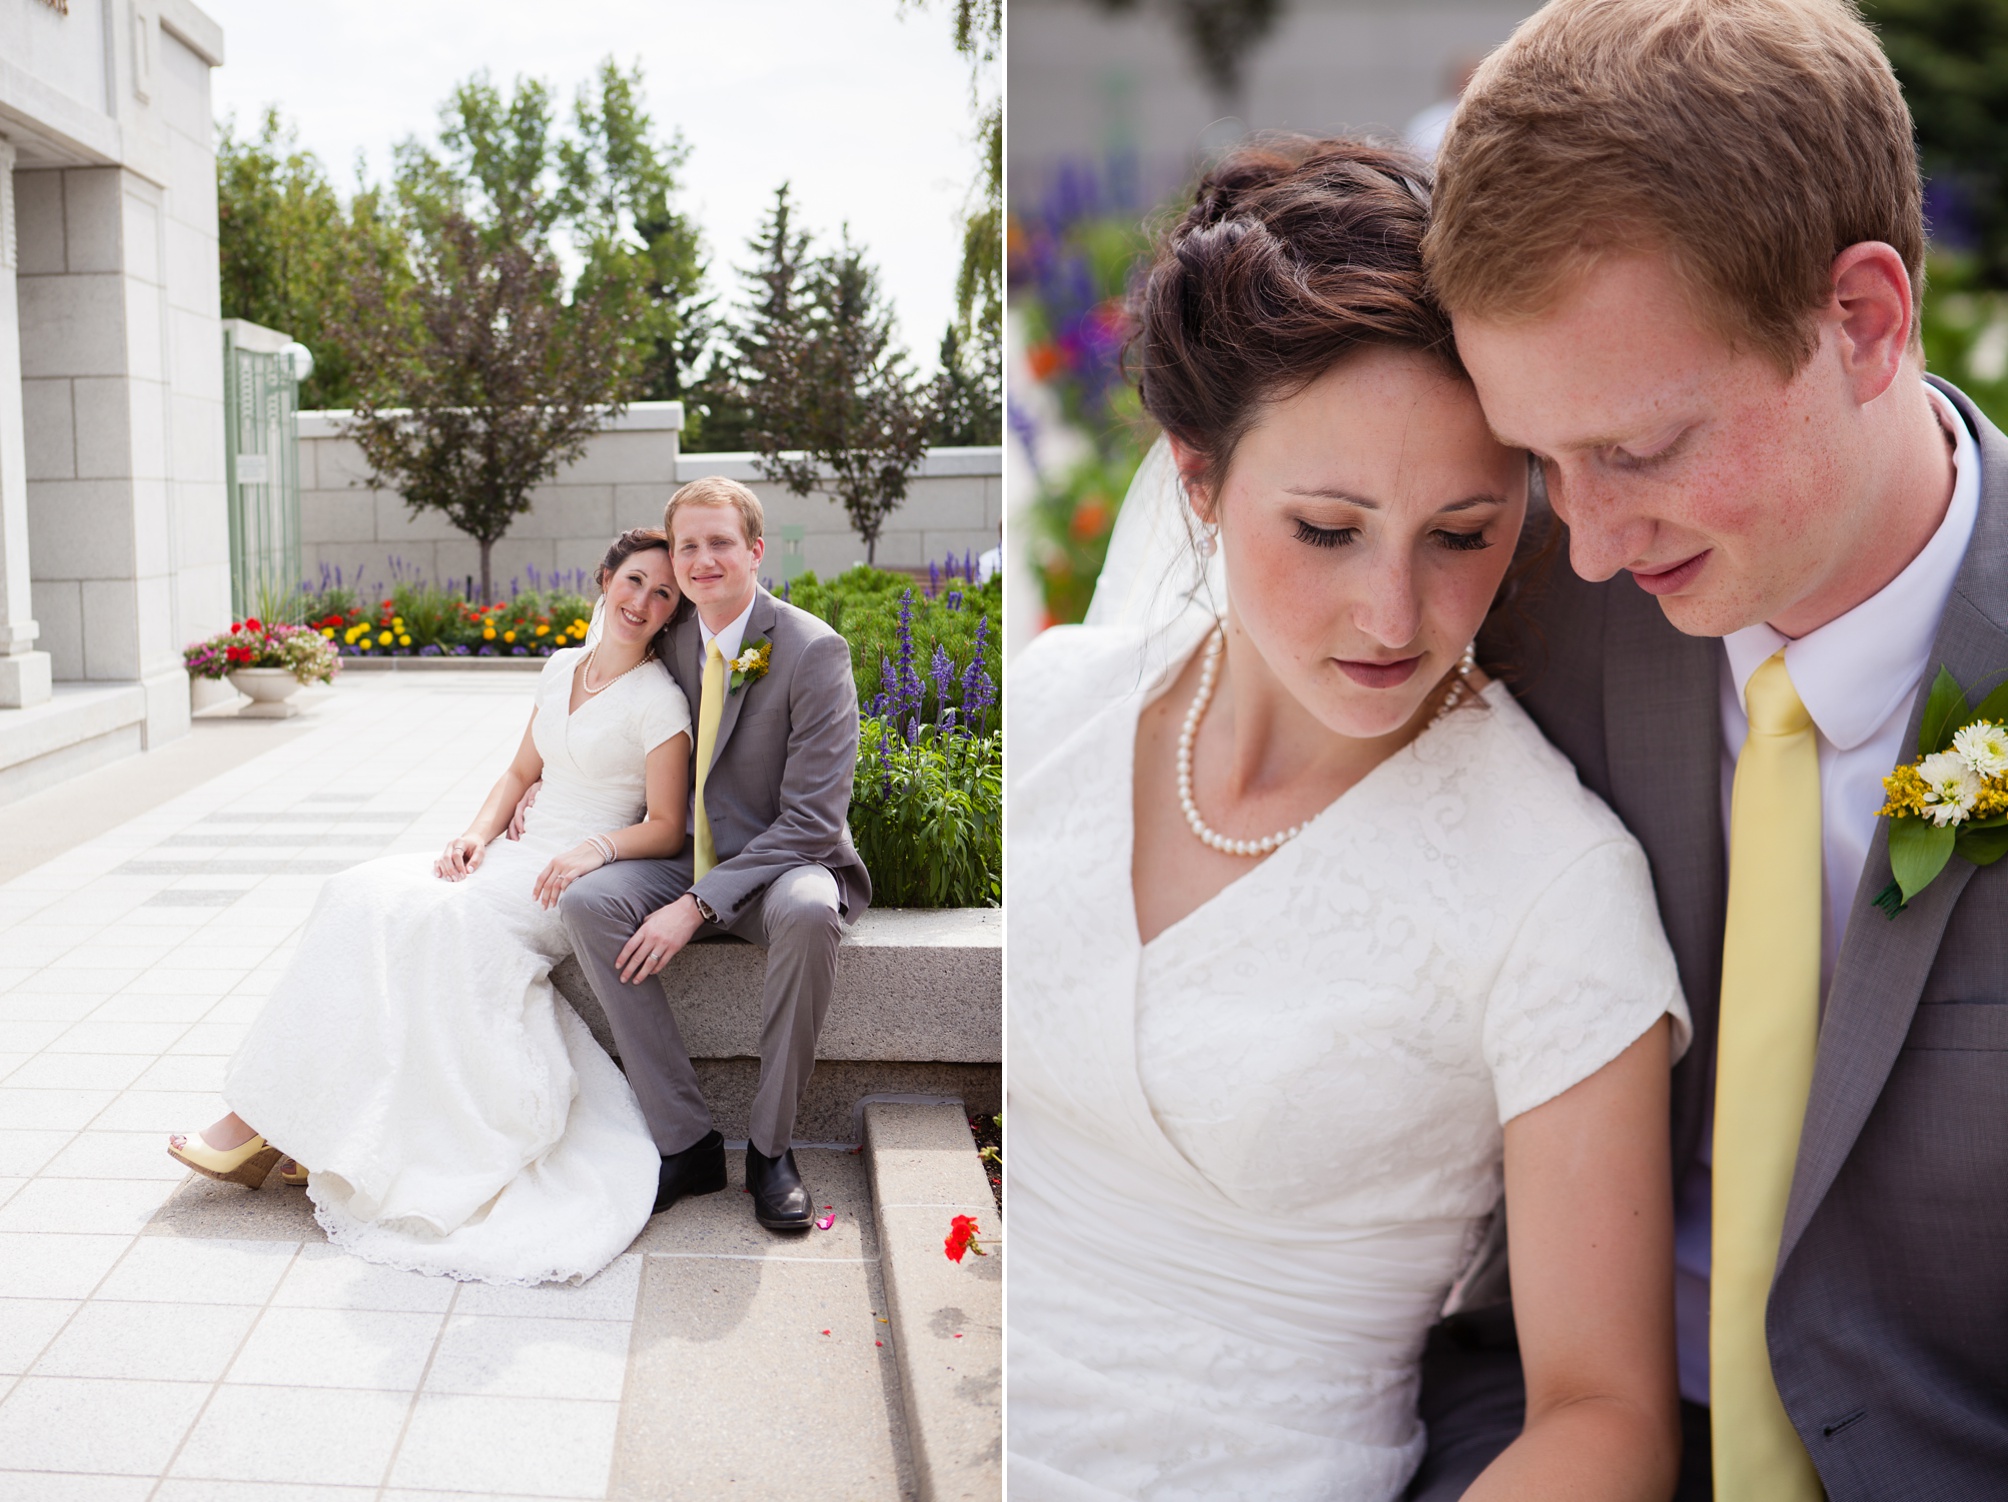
[268, 689]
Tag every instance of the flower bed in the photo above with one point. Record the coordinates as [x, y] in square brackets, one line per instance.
[426, 620]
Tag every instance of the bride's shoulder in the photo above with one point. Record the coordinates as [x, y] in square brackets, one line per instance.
[1514, 770]
[1063, 676]
[558, 667]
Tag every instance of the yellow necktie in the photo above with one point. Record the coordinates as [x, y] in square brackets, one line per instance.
[1770, 1022]
[710, 707]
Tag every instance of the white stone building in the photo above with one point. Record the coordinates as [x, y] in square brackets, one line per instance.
[114, 545]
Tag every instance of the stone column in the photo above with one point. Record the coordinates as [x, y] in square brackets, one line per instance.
[24, 672]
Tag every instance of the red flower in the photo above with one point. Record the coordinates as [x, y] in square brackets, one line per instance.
[235, 627]
[962, 1234]
[252, 625]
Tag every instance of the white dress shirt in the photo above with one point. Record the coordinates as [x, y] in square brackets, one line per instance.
[1858, 677]
[731, 636]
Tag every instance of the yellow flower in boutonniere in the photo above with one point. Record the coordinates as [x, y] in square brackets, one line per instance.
[751, 663]
[1953, 798]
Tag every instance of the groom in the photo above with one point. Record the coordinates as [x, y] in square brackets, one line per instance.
[1682, 244]
[770, 857]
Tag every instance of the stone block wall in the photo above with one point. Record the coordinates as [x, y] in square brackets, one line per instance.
[624, 479]
[122, 384]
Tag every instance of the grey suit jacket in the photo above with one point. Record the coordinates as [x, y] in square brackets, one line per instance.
[779, 790]
[1888, 1318]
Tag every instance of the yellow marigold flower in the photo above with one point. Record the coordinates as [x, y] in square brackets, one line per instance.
[384, 640]
[328, 632]
[508, 636]
[579, 627]
[397, 621]
[543, 630]
[404, 641]
[488, 633]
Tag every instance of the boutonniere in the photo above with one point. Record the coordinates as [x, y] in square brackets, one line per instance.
[1953, 798]
[751, 663]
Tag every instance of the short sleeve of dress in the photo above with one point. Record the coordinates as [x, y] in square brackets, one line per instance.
[1588, 973]
[664, 710]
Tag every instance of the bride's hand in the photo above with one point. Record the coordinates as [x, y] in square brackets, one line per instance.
[462, 859]
[564, 870]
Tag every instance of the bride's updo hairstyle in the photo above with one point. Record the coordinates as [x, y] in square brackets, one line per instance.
[1295, 253]
[641, 540]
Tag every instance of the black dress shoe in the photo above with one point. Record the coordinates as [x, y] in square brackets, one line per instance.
[698, 1169]
[780, 1203]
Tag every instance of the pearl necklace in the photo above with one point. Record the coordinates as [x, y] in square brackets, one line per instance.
[1460, 690]
[592, 660]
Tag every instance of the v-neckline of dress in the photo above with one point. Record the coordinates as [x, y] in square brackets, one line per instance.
[1312, 826]
[592, 696]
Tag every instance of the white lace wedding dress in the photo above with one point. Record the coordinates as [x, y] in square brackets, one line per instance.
[456, 1114]
[1249, 1158]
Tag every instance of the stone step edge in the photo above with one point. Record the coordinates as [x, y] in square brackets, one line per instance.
[947, 1318]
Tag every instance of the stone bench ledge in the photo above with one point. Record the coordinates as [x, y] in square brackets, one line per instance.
[914, 985]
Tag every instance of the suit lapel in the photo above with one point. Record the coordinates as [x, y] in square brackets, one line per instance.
[760, 623]
[1884, 962]
[1663, 738]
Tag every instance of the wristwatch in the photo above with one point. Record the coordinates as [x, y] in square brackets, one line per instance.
[704, 909]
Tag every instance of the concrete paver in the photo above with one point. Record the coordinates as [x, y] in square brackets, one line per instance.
[164, 1338]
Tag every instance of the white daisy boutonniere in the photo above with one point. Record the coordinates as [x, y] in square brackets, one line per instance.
[751, 663]
[1953, 798]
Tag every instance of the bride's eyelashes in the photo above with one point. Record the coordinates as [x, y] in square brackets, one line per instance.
[1335, 537]
[1461, 542]
[1325, 537]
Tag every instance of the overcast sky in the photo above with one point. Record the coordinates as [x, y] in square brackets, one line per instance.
[864, 109]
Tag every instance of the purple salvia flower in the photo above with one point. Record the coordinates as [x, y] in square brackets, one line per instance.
[942, 671]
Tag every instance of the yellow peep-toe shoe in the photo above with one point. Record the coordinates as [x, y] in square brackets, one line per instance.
[246, 1165]
[292, 1171]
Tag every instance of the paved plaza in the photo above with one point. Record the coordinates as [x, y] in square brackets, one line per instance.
[165, 1337]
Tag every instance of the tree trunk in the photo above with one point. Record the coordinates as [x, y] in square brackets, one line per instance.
[487, 547]
[871, 551]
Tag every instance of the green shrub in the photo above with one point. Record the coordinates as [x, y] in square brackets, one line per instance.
[895, 627]
[927, 813]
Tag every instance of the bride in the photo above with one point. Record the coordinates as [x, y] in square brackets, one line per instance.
[1329, 943]
[458, 1116]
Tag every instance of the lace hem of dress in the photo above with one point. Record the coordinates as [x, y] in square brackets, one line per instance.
[357, 1239]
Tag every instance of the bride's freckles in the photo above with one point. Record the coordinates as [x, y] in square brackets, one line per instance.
[1366, 523]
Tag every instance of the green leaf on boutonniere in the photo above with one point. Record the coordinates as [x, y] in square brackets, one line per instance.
[1982, 846]
[1918, 851]
[1943, 713]
[1994, 707]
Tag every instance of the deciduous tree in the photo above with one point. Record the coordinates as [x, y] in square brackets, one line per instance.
[491, 383]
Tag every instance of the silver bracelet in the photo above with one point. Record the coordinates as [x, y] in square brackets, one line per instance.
[605, 846]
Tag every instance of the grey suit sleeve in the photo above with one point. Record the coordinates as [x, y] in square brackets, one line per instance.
[815, 783]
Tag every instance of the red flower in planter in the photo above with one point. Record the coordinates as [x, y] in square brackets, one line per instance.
[252, 625]
[962, 1234]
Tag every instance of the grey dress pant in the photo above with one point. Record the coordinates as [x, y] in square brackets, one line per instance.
[798, 921]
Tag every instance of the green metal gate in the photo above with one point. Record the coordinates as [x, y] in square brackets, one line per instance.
[262, 466]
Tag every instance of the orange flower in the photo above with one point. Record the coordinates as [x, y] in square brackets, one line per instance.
[1045, 359]
[1090, 519]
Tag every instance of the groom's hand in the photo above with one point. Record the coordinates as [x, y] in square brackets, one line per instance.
[523, 807]
[665, 931]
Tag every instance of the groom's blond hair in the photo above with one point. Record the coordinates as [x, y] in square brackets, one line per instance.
[717, 490]
[1750, 141]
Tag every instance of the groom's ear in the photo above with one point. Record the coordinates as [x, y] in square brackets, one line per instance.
[1873, 315]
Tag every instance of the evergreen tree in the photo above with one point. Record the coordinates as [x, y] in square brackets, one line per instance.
[836, 406]
[965, 403]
